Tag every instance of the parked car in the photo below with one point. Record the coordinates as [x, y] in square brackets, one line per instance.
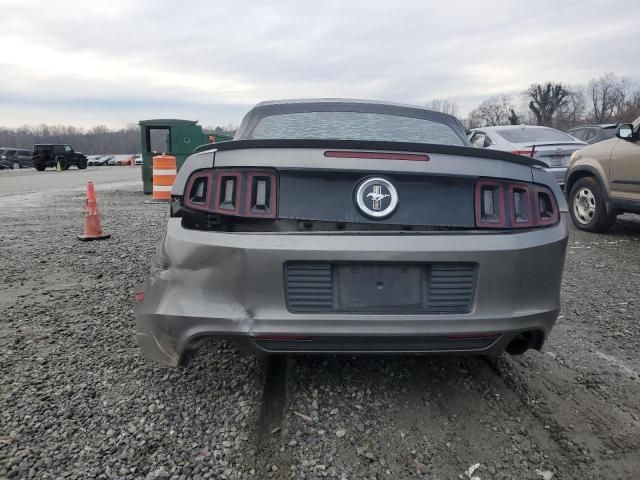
[355, 227]
[4, 163]
[137, 159]
[548, 145]
[112, 160]
[594, 133]
[50, 155]
[603, 180]
[124, 160]
[15, 158]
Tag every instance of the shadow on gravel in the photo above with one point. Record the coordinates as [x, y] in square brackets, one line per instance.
[626, 227]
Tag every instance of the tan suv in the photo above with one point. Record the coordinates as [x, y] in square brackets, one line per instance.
[603, 180]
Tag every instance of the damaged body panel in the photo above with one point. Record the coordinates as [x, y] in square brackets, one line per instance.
[356, 246]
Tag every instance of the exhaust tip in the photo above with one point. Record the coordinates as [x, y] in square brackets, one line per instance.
[519, 344]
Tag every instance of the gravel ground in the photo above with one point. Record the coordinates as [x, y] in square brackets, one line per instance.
[77, 400]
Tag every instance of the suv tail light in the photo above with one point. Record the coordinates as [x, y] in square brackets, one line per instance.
[239, 192]
[505, 204]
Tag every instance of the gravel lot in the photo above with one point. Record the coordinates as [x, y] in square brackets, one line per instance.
[77, 400]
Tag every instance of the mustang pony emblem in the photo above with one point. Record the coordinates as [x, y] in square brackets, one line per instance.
[377, 196]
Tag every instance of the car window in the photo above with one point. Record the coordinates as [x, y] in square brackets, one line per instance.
[609, 132]
[478, 139]
[589, 134]
[67, 148]
[525, 135]
[58, 149]
[354, 126]
[578, 133]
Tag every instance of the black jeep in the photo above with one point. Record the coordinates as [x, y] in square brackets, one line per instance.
[47, 155]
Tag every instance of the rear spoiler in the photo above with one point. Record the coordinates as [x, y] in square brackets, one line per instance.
[374, 145]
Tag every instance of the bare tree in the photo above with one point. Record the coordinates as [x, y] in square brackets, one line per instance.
[573, 111]
[632, 108]
[496, 110]
[514, 118]
[611, 98]
[545, 100]
[444, 106]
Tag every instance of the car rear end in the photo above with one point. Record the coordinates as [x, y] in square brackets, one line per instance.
[4, 163]
[8, 158]
[296, 246]
[550, 146]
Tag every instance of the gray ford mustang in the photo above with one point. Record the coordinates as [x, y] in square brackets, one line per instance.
[347, 226]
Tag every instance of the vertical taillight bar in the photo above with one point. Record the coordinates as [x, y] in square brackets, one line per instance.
[490, 211]
[546, 207]
[199, 189]
[228, 197]
[519, 195]
[261, 195]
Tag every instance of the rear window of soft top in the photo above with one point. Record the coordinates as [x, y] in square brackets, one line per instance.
[354, 126]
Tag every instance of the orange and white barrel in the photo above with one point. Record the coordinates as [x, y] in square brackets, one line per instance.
[164, 175]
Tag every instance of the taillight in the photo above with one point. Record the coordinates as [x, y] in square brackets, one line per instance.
[238, 192]
[505, 204]
[546, 206]
[526, 153]
[490, 211]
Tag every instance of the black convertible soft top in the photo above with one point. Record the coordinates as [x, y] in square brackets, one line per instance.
[243, 140]
[374, 145]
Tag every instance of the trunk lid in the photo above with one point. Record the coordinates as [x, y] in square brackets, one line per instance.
[319, 181]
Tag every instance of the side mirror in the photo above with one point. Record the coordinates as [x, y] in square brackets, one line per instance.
[625, 132]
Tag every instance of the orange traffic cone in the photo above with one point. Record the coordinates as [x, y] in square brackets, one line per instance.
[92, 227]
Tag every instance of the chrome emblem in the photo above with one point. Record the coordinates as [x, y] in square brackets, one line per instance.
[377, 198]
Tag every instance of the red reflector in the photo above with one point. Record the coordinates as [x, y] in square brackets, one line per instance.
[377, 155]
[282, 337]
[139, 296]
[522, 152]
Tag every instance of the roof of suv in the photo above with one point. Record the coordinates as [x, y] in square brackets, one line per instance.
[602, 125]
[511, 127]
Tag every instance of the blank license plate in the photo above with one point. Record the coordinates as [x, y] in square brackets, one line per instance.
[371, 287]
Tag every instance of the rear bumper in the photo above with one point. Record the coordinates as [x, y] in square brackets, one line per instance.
[231, 286]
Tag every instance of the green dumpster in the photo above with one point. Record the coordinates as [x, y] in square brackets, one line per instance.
[174, 136]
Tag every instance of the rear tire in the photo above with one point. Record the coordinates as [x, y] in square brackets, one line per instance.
[15, 165]
[588, 208]
[39, 167]
[82, 165]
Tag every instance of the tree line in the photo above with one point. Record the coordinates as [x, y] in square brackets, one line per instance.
[608, 99]
[92, 141]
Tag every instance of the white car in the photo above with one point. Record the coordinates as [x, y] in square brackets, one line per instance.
[548, 145]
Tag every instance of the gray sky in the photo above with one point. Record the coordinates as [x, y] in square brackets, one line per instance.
[115, 62]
